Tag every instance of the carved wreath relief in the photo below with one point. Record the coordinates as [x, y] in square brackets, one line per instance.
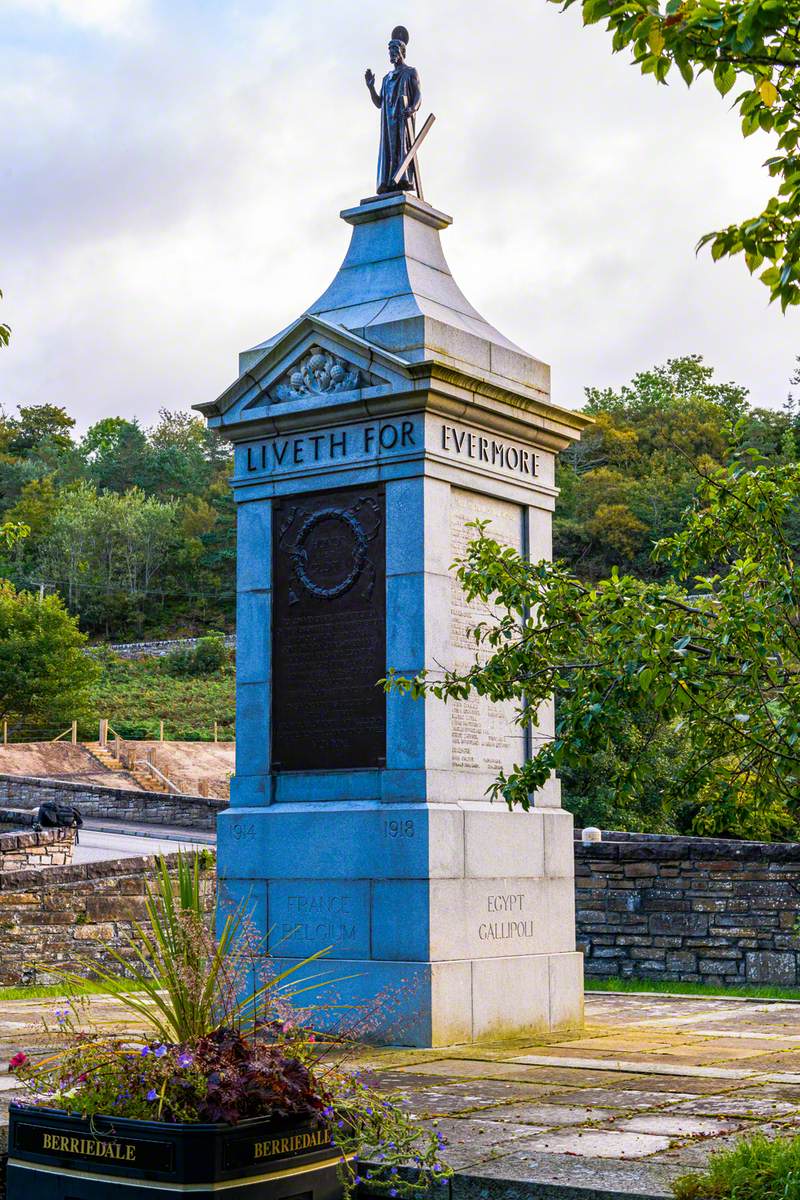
[318, 374]
[328, 548]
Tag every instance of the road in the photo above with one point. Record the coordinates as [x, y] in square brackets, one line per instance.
[102, 840]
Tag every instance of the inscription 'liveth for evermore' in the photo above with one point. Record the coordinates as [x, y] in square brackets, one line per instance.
[369, 441]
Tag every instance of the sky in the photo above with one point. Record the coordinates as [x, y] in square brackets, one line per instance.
[171, 173]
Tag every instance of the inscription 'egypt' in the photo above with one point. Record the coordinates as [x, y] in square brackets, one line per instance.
[498, 931]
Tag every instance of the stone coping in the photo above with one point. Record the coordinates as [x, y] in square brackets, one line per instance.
[100, 790]
[17, 817]
[21, 840]
[25, 878]
[642, 847]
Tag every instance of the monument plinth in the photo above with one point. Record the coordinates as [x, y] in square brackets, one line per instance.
[368, 434]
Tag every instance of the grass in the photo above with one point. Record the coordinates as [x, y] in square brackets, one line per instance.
[672, 988]
[667, 988]
[54, 991]
[135, 694]
[757, 1168]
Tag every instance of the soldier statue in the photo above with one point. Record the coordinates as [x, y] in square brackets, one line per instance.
[398, 100]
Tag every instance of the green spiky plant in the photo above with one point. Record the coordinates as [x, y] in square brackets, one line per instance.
[175, 975]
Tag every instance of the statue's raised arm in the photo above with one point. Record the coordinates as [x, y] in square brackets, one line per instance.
[398, 99]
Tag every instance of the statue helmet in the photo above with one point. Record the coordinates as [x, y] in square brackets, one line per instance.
[400, 34]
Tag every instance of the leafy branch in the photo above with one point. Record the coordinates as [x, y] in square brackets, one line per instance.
[752, 43]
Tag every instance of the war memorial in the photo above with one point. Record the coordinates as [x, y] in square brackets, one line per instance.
[368, 434]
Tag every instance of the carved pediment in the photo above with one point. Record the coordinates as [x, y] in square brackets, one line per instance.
[320, 373]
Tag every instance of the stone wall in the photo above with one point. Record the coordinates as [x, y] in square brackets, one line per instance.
[47, 848]
[156, 649]
[152, 808]
[690, 909]
[62, 915]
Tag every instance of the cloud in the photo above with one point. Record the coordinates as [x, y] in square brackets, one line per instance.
[118, 17]
[169, 200]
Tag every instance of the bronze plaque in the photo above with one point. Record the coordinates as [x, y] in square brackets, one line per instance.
[329, 630]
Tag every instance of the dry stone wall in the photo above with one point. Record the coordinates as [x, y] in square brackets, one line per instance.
[47, 848]
[689, 909]
[155, 808]
[156, 649]
[57, 916]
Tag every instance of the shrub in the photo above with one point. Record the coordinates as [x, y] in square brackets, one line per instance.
[207, 657]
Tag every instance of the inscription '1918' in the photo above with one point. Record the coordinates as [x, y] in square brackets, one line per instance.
[501, 930]
[490, 451]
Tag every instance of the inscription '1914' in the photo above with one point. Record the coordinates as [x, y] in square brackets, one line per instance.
[500, 930]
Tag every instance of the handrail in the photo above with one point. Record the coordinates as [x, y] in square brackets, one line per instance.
[143, 762]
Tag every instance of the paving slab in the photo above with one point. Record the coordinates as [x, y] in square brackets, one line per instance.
[672, 1126]
[654, 1086]
[623, 1098]
[548, 1115]
[596, 1143]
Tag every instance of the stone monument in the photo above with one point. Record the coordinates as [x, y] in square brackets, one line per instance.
[367, 434]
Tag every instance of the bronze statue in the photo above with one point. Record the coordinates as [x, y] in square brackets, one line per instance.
[399, 98]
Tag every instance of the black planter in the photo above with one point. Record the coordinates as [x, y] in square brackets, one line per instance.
[53, 1156]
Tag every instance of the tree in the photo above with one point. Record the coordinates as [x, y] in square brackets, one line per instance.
[44, 674]
[629, 479]
[38, 423]
[105, 543]
[714, 654]
[752, 43]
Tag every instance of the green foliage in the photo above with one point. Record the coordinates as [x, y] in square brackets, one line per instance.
[731, 806]
[44, 674]
[757, 1168]
[206, 658]
[187, 982]
[136, 694]
[5, 332]
[712, 653]
[629, 479]
[650, 805]
[752, 44]
[218, 1048]
[674, 987]
[134, 527]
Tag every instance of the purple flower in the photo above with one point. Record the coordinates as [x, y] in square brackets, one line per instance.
[160, 1051]
[152, 1094]
[393, 1191]
[185, 1059]
[145, 1051]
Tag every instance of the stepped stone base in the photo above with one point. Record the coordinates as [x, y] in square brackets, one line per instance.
[456, 922]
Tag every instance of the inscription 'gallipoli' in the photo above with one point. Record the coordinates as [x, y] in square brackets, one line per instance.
[499, 931]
